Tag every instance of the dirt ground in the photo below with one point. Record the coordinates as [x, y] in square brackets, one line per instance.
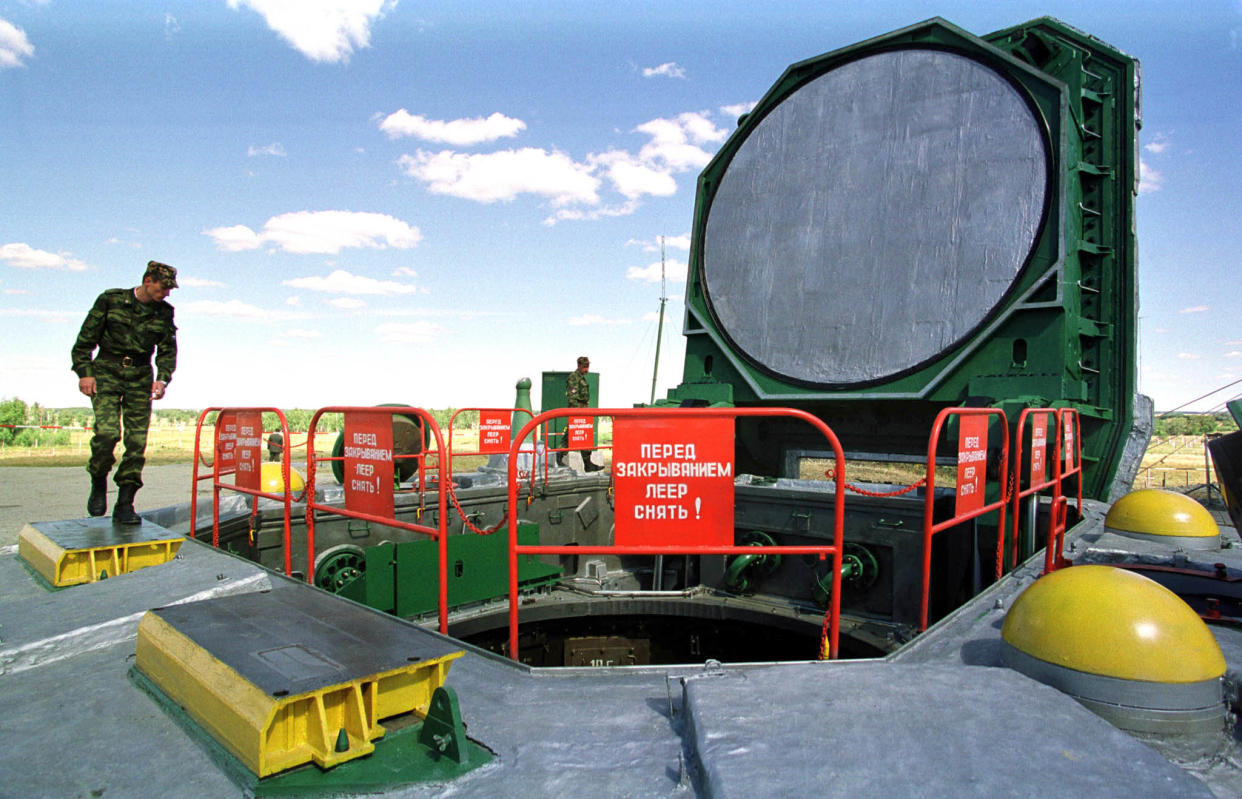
[55, 493]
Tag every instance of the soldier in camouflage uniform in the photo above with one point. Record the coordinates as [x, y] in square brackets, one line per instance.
[127, 325]
[578, 395]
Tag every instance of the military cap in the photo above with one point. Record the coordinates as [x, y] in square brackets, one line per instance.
[584, 361]
[161, 272]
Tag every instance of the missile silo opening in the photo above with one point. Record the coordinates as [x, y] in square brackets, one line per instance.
[876, 217]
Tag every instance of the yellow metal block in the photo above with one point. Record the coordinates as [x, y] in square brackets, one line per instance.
[273, 731]
[75, 552]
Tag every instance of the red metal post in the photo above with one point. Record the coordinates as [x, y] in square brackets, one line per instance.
[439, 532]
[834, 609]
[929, 527]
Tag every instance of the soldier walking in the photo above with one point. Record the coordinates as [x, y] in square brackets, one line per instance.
[127, 325]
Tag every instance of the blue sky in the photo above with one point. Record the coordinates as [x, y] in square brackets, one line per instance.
[422, 202]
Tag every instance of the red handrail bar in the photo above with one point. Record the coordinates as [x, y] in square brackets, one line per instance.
[453, 420]
[1056, 525]
[1057, 479]
[834, 603]
[930, 529]
[439, 532]
[551, 452]
[1016, 481]
[216, 485]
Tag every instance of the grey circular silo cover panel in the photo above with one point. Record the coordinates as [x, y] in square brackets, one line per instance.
[875, 217]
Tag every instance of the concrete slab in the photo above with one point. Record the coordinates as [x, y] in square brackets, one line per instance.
[38, 626]
[885, 729]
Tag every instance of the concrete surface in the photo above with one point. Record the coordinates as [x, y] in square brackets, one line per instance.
[53, 493]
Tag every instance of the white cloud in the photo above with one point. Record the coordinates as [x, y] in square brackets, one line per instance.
[458, 132]
[232, 309]
[322, 30]
[1233, 354]
[324, 232]
[681, 242]
[275, 148]
[1158, 144]
[504, 175]
[54, 317]
[408, 332]
[738, 109]
[1195, 309]
[23, 256]
[342, 282]
[633, 178]
[235, 238]
[675, 270]
[668, 69]
[196, 282]
[16, 291]
[604, 212]
[404, 271]
[14, 46]
[596, 319]
[299, 333]
[1149, 179]
[676, 143]
[294, 300]
[1189, 356]
[347, 303]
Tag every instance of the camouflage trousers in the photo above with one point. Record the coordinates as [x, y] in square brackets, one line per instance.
[122, 401]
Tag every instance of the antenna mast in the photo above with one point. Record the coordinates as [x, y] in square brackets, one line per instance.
[659, 328]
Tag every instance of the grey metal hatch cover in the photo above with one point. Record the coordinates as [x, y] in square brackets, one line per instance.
[875, 216]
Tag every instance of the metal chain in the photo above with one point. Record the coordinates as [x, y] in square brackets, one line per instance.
[858, 490]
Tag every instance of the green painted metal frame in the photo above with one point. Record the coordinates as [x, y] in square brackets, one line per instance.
[396, 576]
[1072, 311]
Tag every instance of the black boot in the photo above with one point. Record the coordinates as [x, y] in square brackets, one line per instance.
[97, 503]
[123, 510]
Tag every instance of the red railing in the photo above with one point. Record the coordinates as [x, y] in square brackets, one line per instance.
[552, 454]
[439, 532]
[216, 473]
[930, 528]
[452, 451]
[1054, 478]
[829, 638]
[1057, 522]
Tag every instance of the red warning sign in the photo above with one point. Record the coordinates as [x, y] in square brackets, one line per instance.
[972, 459]
[226, 441]
[1039, 448]
[1067, 422]
[674, 481]
[249, 444]
[581, 432]
[368, 462]
[493, 432]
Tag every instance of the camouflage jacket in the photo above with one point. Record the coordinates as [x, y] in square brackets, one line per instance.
[120, 325]
[577, 390]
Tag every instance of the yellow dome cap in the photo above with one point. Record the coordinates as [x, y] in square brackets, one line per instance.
[272, 482]
[1156, 512]
[1108, 621]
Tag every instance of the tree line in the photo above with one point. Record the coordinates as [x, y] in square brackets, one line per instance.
[1193, 424]
[15, 412]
